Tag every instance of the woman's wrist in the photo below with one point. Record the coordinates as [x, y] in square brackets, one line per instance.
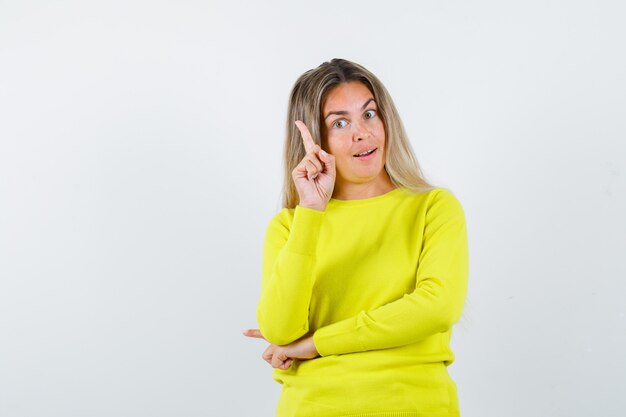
[313, 348]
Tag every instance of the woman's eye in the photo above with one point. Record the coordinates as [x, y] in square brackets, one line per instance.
[370, 114]
[340, 124]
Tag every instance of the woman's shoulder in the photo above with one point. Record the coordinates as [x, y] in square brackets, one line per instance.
[431, 194]
[442, 194]
[435, 201]
[443, 201]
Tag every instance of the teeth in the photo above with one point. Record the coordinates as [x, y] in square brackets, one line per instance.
[366, 152]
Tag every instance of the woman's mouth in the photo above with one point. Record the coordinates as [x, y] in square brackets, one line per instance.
[369, 154]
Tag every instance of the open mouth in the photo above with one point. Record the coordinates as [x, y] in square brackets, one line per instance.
[367, 154]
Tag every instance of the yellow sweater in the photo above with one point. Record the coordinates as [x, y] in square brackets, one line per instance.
[380, 283]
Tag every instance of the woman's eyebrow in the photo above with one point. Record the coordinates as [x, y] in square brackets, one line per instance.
[342, 112]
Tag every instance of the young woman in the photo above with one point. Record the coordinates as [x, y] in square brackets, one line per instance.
[365, 269]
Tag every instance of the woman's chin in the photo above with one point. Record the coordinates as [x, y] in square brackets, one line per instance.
[365, 176]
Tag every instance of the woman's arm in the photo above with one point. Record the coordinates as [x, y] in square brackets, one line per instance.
[435, 304]
[287, 275]
[289, 250]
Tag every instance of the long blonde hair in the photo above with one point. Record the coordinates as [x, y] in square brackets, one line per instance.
[306, 102]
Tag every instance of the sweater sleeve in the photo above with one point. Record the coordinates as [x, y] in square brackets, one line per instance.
[435, 304]
[287, 275]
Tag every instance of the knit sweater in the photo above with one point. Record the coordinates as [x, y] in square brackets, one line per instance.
[379, 282]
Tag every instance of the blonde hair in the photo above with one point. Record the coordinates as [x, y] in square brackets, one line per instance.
[306, 102]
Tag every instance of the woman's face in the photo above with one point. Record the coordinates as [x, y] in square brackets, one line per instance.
[352, 126]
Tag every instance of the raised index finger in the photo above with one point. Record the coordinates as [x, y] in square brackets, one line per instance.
[307, 139]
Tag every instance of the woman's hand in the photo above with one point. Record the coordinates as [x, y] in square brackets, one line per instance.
[315, 174]
[282, 356]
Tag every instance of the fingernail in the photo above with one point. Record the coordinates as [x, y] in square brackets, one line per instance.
[323, 152]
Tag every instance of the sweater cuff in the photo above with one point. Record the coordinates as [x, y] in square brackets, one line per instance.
[304, 231]
[338, 338]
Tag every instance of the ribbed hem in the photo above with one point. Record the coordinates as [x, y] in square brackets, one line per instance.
[403, 414]
[328, 340]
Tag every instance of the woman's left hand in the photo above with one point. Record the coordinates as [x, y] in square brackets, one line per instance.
[282, 356]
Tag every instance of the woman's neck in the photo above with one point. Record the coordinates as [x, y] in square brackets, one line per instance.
[357, 191]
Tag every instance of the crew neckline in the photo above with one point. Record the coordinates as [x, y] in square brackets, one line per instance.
[369, 200]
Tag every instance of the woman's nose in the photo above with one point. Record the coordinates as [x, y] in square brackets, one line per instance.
[360, 132]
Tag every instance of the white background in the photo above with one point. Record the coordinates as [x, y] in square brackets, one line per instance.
[140, 161]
